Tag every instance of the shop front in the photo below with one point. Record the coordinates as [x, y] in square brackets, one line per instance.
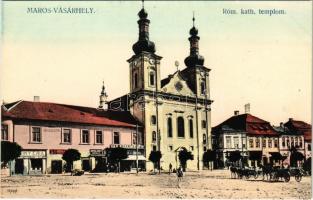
[100, 160]
[31, 162]
[134, 153]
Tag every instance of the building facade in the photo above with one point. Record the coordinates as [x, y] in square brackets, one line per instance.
[287, 140]
[46, 130]
[175, 112]
[253, 137]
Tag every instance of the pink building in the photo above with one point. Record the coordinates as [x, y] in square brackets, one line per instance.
[46, 130]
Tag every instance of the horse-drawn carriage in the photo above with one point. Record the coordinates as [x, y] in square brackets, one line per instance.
[244, 172]
[268, 172]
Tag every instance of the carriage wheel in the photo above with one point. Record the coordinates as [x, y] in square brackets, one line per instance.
[298, 177]
[256, 175]
[287, 178]
[247, 176]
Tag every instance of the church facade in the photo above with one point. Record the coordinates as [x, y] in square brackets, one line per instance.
[175, 112]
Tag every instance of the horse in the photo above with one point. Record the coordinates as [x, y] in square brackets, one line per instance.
[233, 172]
[267, 170]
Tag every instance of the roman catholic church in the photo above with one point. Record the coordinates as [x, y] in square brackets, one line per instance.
[174, 112]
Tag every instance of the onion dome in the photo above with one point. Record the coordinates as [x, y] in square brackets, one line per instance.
[143, 43]
[194, 57]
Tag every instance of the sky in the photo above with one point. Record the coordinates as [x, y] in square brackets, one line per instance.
[258, 59]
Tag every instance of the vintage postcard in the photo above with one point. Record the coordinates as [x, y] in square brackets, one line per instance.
[156, 99]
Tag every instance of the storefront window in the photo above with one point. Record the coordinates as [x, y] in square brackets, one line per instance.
[36, 164]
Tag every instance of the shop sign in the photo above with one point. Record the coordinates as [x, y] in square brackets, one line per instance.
[57, 151]
[33, 154]
[126, 146]
[97, 152]
[52, 130]
[133, 152]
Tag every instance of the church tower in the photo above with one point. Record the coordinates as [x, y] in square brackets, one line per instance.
[145, 64]
[197, 76]
[145, 83]
[103, 99]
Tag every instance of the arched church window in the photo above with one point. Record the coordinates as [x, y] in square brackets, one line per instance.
[204, 138]
[169, 127]
[190, 128]
[154, 136]
[136, 80]
[180, 127]
[152, 78]
[153, 120]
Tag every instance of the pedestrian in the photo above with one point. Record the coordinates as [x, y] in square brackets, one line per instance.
[179, 176]
[170, 168]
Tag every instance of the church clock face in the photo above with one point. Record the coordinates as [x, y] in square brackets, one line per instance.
[151, 61]
[178, 86]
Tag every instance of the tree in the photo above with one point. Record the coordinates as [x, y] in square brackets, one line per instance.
[9, 151]
[155, 157]
[209, 156]
[234, 156]
[115, 155]
[295, 156]
[70, 155]
[184, 156]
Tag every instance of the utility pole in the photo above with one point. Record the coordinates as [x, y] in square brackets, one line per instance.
[137, 149]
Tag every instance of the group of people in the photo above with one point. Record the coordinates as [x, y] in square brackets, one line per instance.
[179, 172]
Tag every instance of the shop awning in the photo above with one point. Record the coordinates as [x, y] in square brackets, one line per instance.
[277, 156]
[133, 157]
[255, 155]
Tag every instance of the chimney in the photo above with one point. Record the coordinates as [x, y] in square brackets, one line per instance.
[281, 124]
[247, 108]
[36, 98]
[236, 112]
[290, 119]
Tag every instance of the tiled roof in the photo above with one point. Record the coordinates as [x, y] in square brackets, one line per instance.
[308, 136]
[27, 110]
[297, 124]
[248, 123]
[300, 127]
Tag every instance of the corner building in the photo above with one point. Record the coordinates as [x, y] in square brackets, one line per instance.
[175, 112]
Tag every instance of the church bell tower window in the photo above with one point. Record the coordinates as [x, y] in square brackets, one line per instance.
[152, 78]
[136, 80]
